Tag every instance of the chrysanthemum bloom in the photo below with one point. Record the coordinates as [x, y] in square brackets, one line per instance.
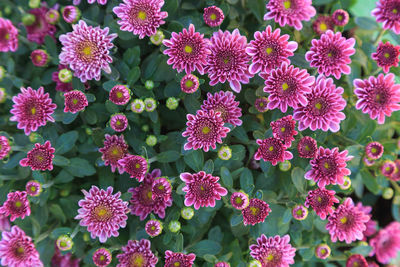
[374, 150]
[75, 101]
[150, 104]
[396, 175]
[331, 54]
[357, 260]
[255, 212]
[173, 259]
[136, 166]
[118, 122]
[63, 78]
[71, 14]
[64, 243]
[120, 94]
[222, 264]
[272, 150]
[187, 50]
[102, 212]
[323, 110]
[16, 205]
[40, 27]
[40, 157]
[33, 188]
[299, 212]
[323, 24]
[32, 109]
[101, 2]
[224, 152]
[141, 17]
[202, 189]
[347, 222]
[137, 253]
[204, 130]
[86, 51]
[213, 16]
[287, 86]
[388, 12]
[290, 12]
[346, 184]
[102, 257]
[322, 251]
[4, 223]
[388, 168]
[63, 260]
[8, 36]
[228, 60]
[261, 104]
[386, 244]
[386, 56]
[307, 147]
[340, 17]
[240, 200]
[368, 162]
[137, 106]
[52, 16]
[39, 58]
[284, 129]
[5, 147]
[17, 249]
[371, 224]
[190, 83]
[115, 148]
[273, 251]
[153, 228]
[321, 201]
[224, 103]
[161, 188]
[269, 50]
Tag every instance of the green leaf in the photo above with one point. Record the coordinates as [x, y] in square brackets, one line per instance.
[363, 250]
[298, 179]
[60, 231]
[206, 247]
[226, 177]
[168, 156]
[195, 160]
[80, 168]
[246, 181]
[66, 142]
[60, 161]
[63, 177]
[69, 117]
[133, 76]
[109, 85]
[209, 166]
[58, 212]
[366, 23]
[370, 181]
[132, 56]
[258, 9]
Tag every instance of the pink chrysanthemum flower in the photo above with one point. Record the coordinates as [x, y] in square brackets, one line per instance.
[120, 94]
[137, 253]
[222, 264]
[357, 260]
[161, 188]
[340, 17]
[102, 257]
[371, 224]
[187, 50]
[374, 150]
[213, 16]
[52, 16]
[299, 212]
[33, 188]
[224, 103]
[269, 50]
[322, 251]
[63, 260]
[16, 205]
[273, 251]
[307, 147]
[386, 56]
[190, 83]
[284, 129]
[204, 130]
[5, 147]
[71, 14]
[141, 17]
[240, 200]
[323, 24]
[378, 97]
[287, 86]
[86, 51]
[388, 168]
[18, 250]
[321, 201]
[290, 12]
[255, 212]
[329, 167]
[115, 148]
[102, 212]
[228, 60]
[39, 58]
[61, 86]
[388, 12]
[40, 27]
[202, 189]
[347, 222]
[8, 36]
[173, 259]
[101, 2]
[4, 223]
[118, 122]
[142, 202]
[272, 150]
[324, 107]
[153, 228]
[331, 54]
[386, 244]
[261, 104]
[396, 175]
[75, 101]
[368, 162]
[40, 157]
[136, 166]
[32, 109]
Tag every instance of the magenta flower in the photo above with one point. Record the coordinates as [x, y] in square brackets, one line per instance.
[284, 129]
[396, 175]
[324, 107]
[299, 212]
[153, 228]
[240, 200]
[40, 27]
[137, 253]
[228, 60]
[32, 109]
[273, 251]
[347, 222]
[202, 189]
[33, 188]
[255, 212]
[374, 150]
[141, 17]
[287, 86]
[261, 104]
[269, 50]
[356, 260]
[18, 250]
[307, 147]
[290, 12]
[321, 201]
[118, 122]
[173, 259]
[16, 205]
[388, 168]
[388, 12]
[75, 101]
[329, 167]
[120, 95]
[4, 223]
[224, 103]
[378, 97]
[340, 17]
[371, 224]
[187, 50]
[63, 260]
[190, 83]
[71, 14]
[322, 251]
[39, 58]
[115, 148]
[322, 24]
[102, 212]
[213, 16]
[40, 157]
[86, 51]
[272, 150]
[135, 166]
[101, 2]
[161, 188]
[386, 56]
[61, 86]
[102, 257]
[222, 264]
[386, 244]
[8, 36]
[5, 147]
[331, 54]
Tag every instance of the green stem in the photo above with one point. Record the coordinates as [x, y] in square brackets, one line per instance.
[396, 186]
[76, 230]
[379, 37]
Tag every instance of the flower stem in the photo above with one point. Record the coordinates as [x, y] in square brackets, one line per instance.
[379, 37]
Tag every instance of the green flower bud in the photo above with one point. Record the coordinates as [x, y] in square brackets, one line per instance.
[387, 193]
[3, 95]
[151, 140]
[346, 184]
[65, 75]
[150, 104]
[34, 3]
[172, 103]
[34, 137]
[285, 166]
[174, 226]
[28, 19]
[187, 213]
[2, 73]
[64, 243]
[157, 38]
[145, 128]
[149, 84]
[225, 153]
[137, 106]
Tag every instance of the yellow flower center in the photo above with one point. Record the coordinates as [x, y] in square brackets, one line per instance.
[319, 199]
[137, 166]
[386, 55]
[115, 151]
[238, 200]
[101, 212]
[318, 106]
[102, 258]
[7, 36]
[323, 27]
[177, 264]
[39, 158]
[373, 150]
[161, 187]
[118, 123]
[149, 195]
[329, 54]
[287, 4]
[271, 148]
[188, 83]
[343, 220]
[119, 94]
[323, 251]
[18, 204]
[269, 50]
[188, 49]
[63, 244]
[270, 257]
[395, 11]
[283, 129]
[254, 210]
[213, 16]
[378, 97]
[261, 104]
[285, 86]
[142, 15]
[205, 130]
[33, 189]
[75, 101]
[20, 250]
[38, 58]
[326, 165]
[138, 106]
[87, 50]
[33, 111]
[137, 260]
[340, 17]
[201, 188]
[299, 212]
[307, 148]
[226, 60]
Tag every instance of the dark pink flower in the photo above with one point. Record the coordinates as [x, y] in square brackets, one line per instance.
[202, 189]
[228, 60]
[374, 150]
[213, 16]
[378, 97]
[331, 54]
[18, 250]
[224, 103]
[40, 27]
[5, 147]
[190, 83]
[102, 257]
[75, 101]
[32, 109]
[371, 224]
[173, 259]
[357, 260]
[16, 205]
[323, 24]
[340, 17]
[61, 86]
[71, 14]
[63, 260]
[322, 251]
[290, 12]
[33, 188]
[161, 188]
[261, 104]
[396, 175]
[388, 168]
[40, 157]
[8, 36]
[141, 17]
[287, 86]
[273, 251]
[101, 2]
[386, 244]
[321, 201]
[269, 50]
[136, 166]
[255, 212]
[115, 148]
[240, 200]
[39, 58]
[137, 253]
[222, 264]
[120, 94]
[118, 122]
[388, 12]
[272, 150]
[153, 228]
[307, 147]
[102, 212]
[284, 129]
[4, 223]
[299, 212]
[386, 56]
